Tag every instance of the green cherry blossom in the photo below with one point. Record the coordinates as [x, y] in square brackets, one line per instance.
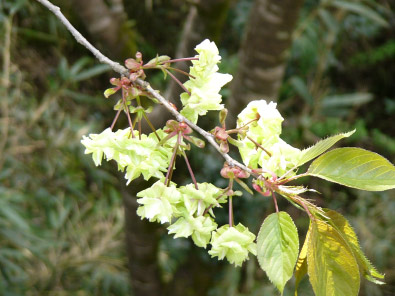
[197, 201]
[158, 202]
[234, 243]
[262, 124]
[206, 83]
[137, 156]
[200, 228]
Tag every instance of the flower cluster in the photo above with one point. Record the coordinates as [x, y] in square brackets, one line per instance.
[260, 144]
[206, 83]
[138, 155]
[189, 212]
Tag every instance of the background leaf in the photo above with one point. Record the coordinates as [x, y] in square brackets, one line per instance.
[355, 167]
[332, 268]
[278, 246]
[360, 9]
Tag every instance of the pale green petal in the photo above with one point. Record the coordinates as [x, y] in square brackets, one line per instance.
[205, 86]
[138, 156]
[199, 228]
[158, 202]
[234, 243]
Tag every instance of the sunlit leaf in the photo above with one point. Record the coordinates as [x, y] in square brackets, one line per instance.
[342, 225]
[277, 248]
[320, 147]
[355, 167]
[110, 91]
[301, 264]
[332, 267]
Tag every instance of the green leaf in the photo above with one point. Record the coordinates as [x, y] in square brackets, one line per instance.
[278, 246]
[355, 167]
[360, 9]
[345, 229]
[332, 268]
[110, 91]
[301, 264]
[320, 147]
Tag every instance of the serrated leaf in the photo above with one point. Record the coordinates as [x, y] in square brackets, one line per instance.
[355, 167]
[301, 264]
[344, 227]
[331, 265]
[320, 147]
[278, 246]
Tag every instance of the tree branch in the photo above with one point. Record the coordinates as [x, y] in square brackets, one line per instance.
[145, 85]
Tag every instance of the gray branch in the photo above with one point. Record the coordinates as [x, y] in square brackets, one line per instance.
[145, 85]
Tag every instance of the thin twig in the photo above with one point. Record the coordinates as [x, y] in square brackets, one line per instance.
[259, 146]
[179, 60]
[275, 201]
[178, 82]
[115, 119]
[143, 84]
[190, 170]
[182, 72]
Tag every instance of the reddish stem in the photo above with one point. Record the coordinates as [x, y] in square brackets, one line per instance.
[230, 212]
[151, 126]
[127, 113]
[179, 60]
[305, 207]
[230, 204]
[259, 145]
[178, 81]
[182, 72]
[115, 119]
[275, 201]
[172, 162]
[190, 170]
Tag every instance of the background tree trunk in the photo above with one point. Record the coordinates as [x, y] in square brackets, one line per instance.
[104, 23]
[205, 19]
[142, 242]
[263, 53]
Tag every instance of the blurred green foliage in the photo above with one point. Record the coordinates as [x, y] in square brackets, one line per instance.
[61, 218]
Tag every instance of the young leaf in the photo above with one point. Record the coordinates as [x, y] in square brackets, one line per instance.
[301, 264]
[110, 91]
[345, 229]
[355, 167]
[320, 147]
[332, 268]
[278, 246]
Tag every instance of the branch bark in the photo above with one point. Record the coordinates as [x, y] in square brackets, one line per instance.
[143, 84]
